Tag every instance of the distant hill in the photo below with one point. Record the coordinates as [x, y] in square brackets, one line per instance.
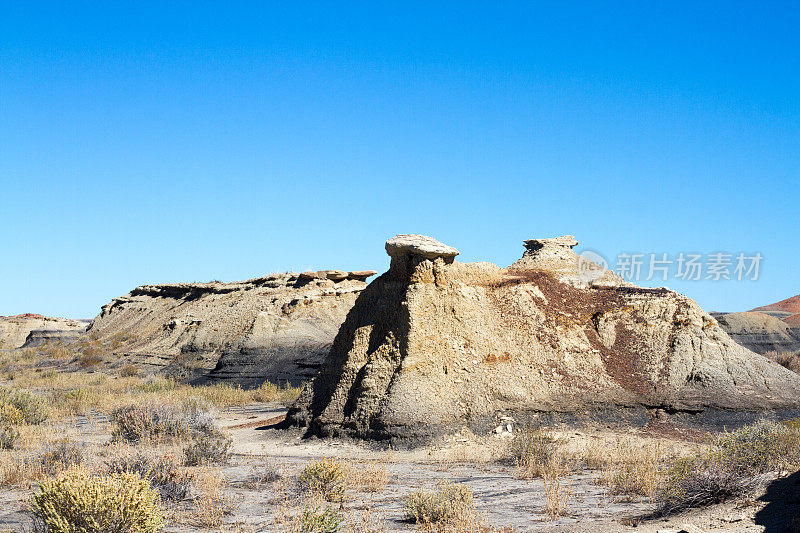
[785, 309]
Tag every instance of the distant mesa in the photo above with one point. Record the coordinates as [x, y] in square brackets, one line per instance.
[433, 345]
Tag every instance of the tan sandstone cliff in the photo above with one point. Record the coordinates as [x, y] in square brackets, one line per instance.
[15, 330]
[275, 328]
[433, 344]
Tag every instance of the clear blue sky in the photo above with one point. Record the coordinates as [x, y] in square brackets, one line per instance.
[158, 142]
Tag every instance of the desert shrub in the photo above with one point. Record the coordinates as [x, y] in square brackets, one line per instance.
[734, 466]
[316, 520]
[445, 504]
[325, 477]
[163, 473]
[532, 449]
[161, 422]
[267, 473]
[134, 423]
[77, 501]
[129, 371]
[761, 447]
[61, 455]
[21, 407]
[8, 437]
[208, 448]
[368, 477]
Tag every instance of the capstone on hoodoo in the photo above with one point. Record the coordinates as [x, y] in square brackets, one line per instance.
[432, 345]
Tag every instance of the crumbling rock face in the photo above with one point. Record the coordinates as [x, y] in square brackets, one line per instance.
[275, 328]
[433, 344]
[14, 330]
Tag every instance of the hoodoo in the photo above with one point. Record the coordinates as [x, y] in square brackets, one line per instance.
[434, 344]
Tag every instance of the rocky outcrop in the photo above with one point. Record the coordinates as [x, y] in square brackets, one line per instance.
[761, 333]
[275, 328]
[433, 344]
[14, 330]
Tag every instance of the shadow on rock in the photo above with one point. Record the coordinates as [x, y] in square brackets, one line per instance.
[782, 512]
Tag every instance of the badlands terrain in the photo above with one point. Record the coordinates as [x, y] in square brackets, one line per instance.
[436, 396]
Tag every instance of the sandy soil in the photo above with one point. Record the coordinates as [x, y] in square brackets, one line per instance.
[501, 497]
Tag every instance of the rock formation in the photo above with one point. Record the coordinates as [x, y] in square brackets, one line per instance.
[759, 332]
[275, 328]
[14, 330]
[433, 344]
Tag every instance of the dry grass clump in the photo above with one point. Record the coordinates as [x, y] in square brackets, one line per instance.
[163, 473]
[734, 466]
[325, 477]
[209, 503]
[531, 450]
[77, 501]
[21, 407]
[8, 437]
[630, 467]
[556, 487]
[263, 475]
[366, 477]
[60, 456]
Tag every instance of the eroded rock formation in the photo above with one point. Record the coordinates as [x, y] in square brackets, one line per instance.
[433, 344]
[14, 330]
[275, 328]
[761, 333]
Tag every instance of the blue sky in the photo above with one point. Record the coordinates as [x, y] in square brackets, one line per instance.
[144, 142]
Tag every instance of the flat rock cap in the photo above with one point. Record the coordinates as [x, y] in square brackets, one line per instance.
[566, 241]
[421, 245]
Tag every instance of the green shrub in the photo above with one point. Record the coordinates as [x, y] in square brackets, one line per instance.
[734, 466]
[21, 407]
[163, 473]
[60, 456]
[532, 449]
[325, 477]
[761, 447]
[315, 520]
[78, 502]
[207, 449]
[8, 437]
[445, 504]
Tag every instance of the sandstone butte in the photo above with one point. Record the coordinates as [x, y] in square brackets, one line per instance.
[433, 345]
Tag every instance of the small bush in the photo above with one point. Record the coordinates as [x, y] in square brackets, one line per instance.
[21, 407]
[161, 422]
[445, 504]
[163, 473]
[207, 449]
[129, 371]
[77, 501]
[315, 520]
[734, 466]
[532, 449]
[8, 437]
[261, 476]
[60, 456]
[325, 477]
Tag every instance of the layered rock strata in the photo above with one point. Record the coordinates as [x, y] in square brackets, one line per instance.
[432, 345]
[275, 328]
